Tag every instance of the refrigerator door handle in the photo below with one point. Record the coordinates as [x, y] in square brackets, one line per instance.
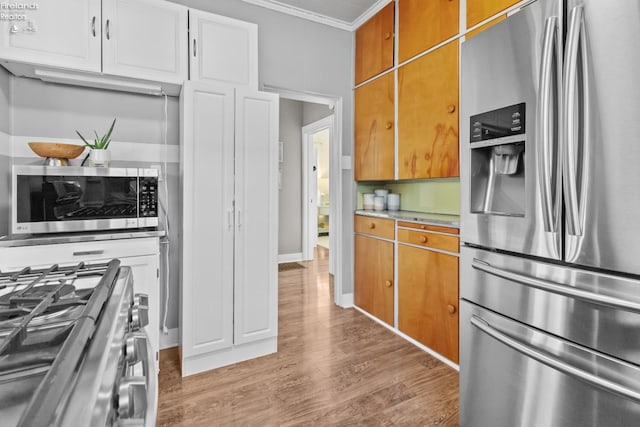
[575, 113]
[568, 291]
[547, 129]
[549, 360]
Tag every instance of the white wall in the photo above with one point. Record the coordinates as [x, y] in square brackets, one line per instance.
[290, 217]
[5, 149]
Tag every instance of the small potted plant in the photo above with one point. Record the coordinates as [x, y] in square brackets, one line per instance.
[99, 155]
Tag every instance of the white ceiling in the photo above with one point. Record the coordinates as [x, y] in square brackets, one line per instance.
[345, 14]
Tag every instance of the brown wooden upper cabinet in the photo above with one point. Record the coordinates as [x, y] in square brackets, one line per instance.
[374, 130]
[423, 24]
[374, 44]
[428, 115]
[479, 10]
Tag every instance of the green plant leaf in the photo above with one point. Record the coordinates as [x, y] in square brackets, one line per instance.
[106, 138]
[85, 141]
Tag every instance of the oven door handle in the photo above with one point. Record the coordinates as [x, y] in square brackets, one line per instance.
[568, 291]
[554, 363]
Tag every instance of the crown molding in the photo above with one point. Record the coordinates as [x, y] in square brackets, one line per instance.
[322, 19]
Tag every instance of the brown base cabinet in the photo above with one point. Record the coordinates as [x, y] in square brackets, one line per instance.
[373, 285]
[428, 298]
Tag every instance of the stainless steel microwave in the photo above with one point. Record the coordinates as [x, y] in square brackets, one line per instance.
[49, 199]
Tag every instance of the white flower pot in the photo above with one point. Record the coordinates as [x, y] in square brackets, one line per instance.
[99, 158]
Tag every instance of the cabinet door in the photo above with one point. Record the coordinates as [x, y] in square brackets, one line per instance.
[145, 39]
[428, 115]
[207, 214]
[145, 270]
[223, 50]
[373, 284]
[374, 134]
[256, 239]
[374, 44]
[424, 24]
[61, 33]
[479, 10]
[428, 298]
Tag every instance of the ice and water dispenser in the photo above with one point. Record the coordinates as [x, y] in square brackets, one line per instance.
[497, 145]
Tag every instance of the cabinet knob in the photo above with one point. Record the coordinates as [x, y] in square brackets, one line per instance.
[387, 36]
[372, 225]
[389, 125]
[388, 283]
[423, 239]
[451, 308]
[424, 227]
[451, 109]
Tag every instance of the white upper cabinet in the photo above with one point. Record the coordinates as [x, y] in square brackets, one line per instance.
[146, 39]
[60, 33]
[223, 50]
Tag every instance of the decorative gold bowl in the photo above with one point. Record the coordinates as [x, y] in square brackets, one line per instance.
[56, 150]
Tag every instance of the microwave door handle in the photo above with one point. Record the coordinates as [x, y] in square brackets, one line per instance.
[545, 153]
[557, 364]
[570, 120]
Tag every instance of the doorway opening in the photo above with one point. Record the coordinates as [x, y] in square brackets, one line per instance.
[302, 225]
[316, 187]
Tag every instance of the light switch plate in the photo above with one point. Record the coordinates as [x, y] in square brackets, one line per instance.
[346, 162]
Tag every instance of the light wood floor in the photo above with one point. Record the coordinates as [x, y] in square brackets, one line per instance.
[333, 367]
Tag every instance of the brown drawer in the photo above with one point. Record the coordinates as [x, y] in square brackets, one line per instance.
[429, 240]
[427, 227]
[379, 227]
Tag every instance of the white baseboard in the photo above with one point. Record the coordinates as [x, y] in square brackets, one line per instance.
[297, 257]
[346, 301]
[172, 339]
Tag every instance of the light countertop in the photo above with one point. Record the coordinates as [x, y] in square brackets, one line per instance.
[421, 217]
[50, 239]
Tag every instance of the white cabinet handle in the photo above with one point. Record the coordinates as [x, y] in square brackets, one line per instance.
[93, 26]
[229, 220]
[108, 32]
[239, 221]
[194, 48]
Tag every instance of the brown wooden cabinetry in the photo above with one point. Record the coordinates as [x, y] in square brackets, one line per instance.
[428, 298]
[423, 24]
[374, 45]
[373, 285]
[428, 115]
[479, 10]
[374, 133]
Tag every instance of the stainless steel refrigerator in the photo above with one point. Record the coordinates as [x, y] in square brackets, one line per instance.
[550, 217]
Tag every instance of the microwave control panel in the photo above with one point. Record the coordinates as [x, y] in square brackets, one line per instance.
[148, 202]
[506, 121]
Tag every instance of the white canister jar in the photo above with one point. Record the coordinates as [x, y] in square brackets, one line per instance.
[367, 201]
[382, 192]
[393, 202]
[378, 203]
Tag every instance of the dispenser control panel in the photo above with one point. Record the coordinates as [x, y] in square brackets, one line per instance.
[506, 121]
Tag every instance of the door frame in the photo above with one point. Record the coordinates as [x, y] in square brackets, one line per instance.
[308, 160]
[336, 240]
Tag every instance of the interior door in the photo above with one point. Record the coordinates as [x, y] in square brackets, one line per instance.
[602, 172]
[145, 39]
[503, 67]
[207, 213]
[256, 203]
[61, 33]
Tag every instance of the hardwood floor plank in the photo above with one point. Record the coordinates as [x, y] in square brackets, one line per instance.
[334, 366]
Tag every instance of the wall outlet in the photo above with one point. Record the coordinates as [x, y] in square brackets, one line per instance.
[160, 174]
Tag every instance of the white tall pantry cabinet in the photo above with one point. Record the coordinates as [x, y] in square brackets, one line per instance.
[229, 297]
